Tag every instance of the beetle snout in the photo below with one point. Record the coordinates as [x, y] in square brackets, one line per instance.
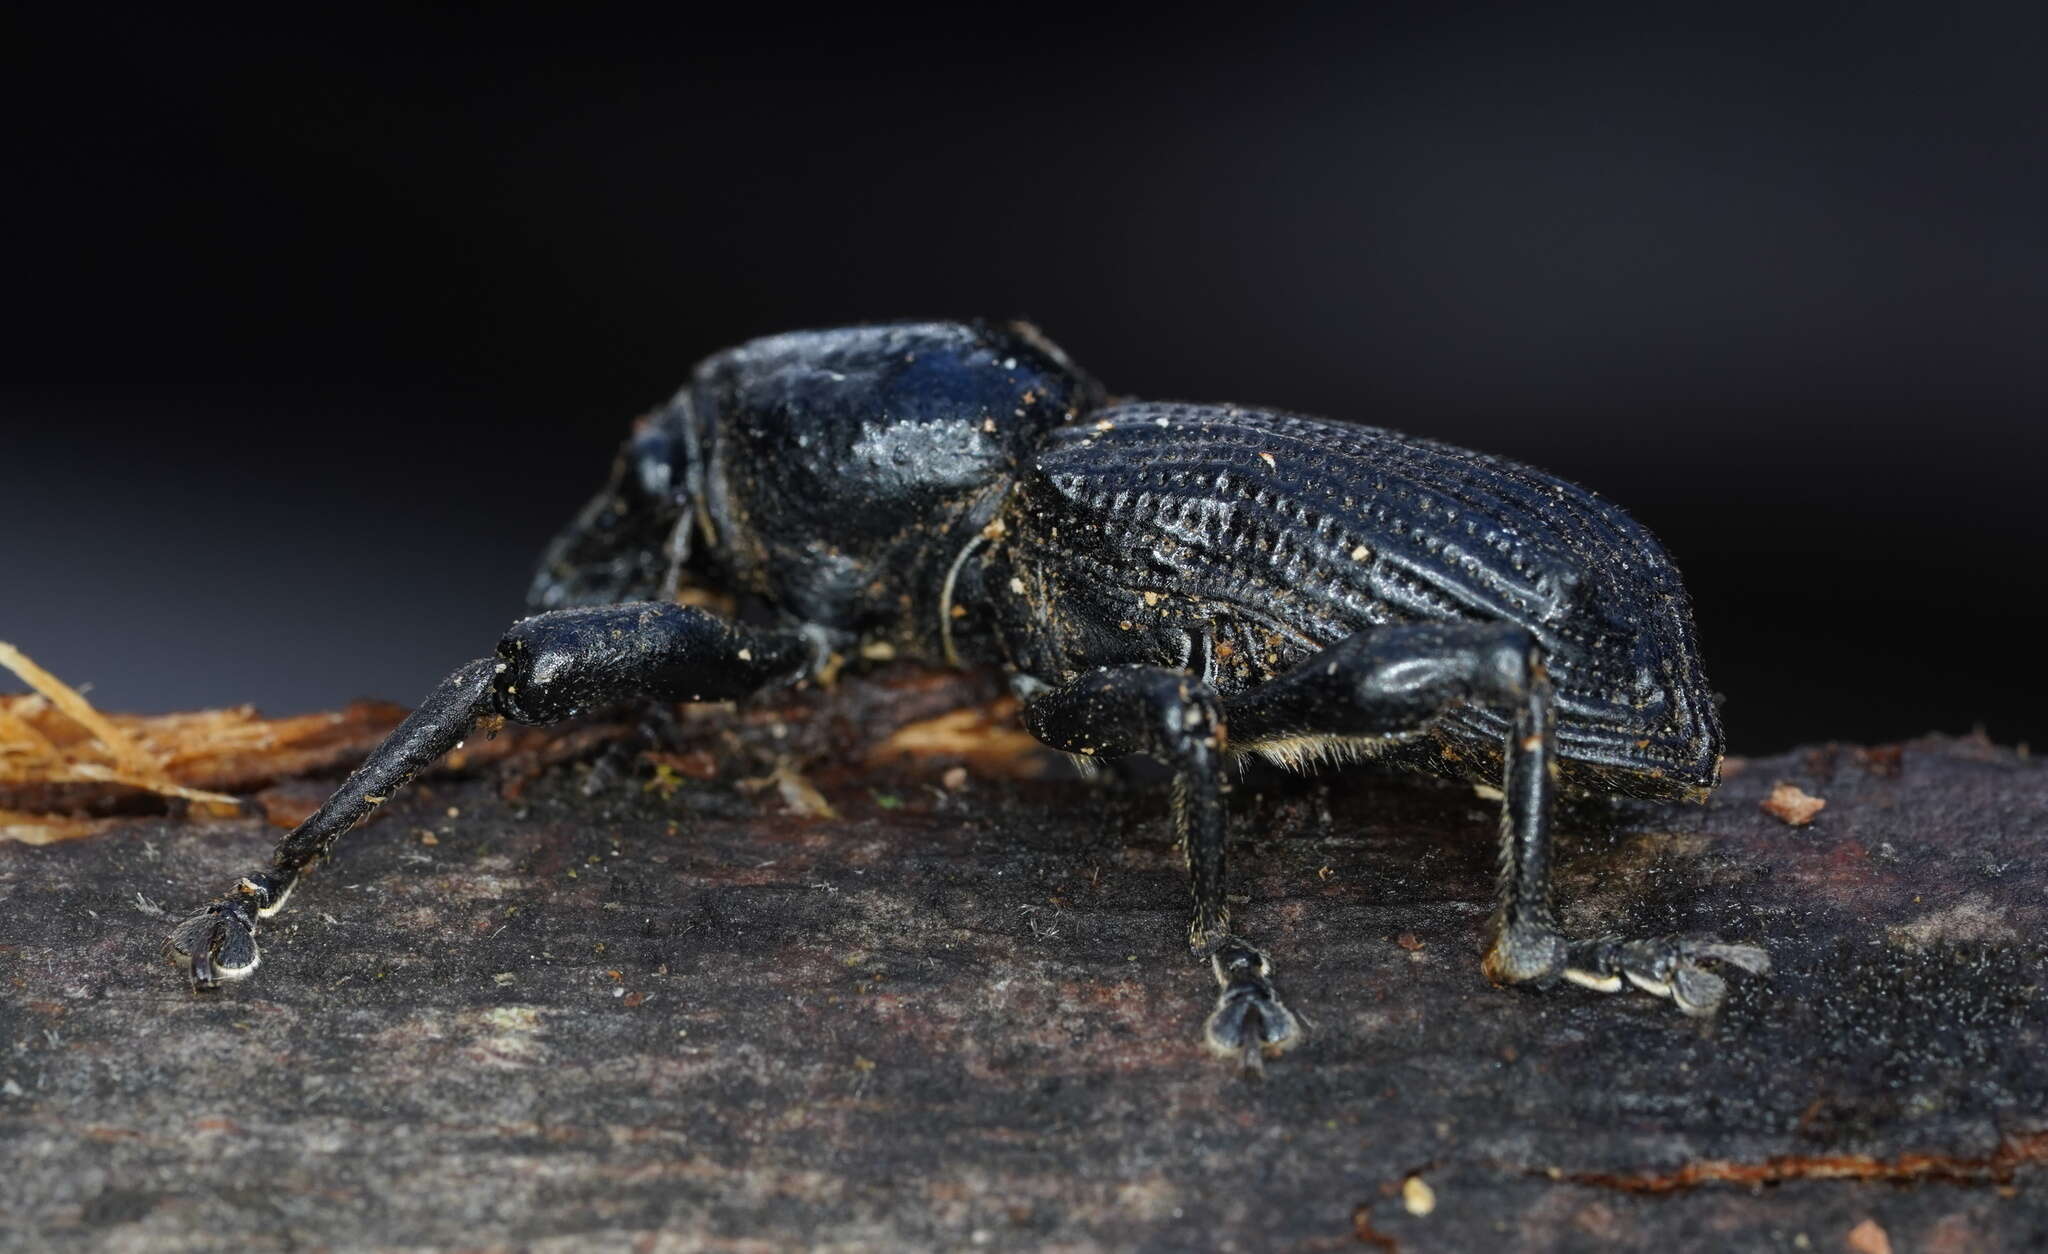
[620, 546]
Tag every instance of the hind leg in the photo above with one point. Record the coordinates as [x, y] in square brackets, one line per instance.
[1391, 683]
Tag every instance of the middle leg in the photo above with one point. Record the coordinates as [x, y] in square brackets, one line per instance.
[1177, 719]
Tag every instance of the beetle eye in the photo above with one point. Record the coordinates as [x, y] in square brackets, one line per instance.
[653, 453]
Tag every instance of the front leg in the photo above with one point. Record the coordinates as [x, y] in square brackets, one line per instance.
[1177, 719]
[547, 668]
[1391, 683]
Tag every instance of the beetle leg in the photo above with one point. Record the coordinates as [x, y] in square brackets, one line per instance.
[1177, 718]
[1666, 966]
[547, 668]
[1527, 945]
[1391, 683]
[1249, 1020]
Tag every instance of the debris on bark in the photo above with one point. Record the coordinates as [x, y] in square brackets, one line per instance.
[1417, 1197]
[1868, 1238]
[594, 1013]
[1792, 805]
[797, 793]
[988, 737]
[53, 740]
[65, 767]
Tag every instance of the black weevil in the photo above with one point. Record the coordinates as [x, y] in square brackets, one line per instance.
[1181, 581]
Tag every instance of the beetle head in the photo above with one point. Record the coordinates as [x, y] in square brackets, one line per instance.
[836, 465]
[623, 544]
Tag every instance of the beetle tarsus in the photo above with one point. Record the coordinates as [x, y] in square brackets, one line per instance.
[1664, 966]
[217, 944]
[1249, 1021]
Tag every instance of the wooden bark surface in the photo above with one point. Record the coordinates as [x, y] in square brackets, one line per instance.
[673, 1015]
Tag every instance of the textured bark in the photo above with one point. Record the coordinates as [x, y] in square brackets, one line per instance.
[676, 1015]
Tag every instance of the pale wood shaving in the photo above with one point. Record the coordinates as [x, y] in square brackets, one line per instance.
[56, 737]
[1792, 805]
[798, 794]
[45, 829]
[987, 737]
[69, 700]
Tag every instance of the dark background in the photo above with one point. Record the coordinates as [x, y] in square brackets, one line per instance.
[317, 332]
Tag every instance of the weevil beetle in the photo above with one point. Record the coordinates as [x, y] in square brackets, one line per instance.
[1183, 581]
